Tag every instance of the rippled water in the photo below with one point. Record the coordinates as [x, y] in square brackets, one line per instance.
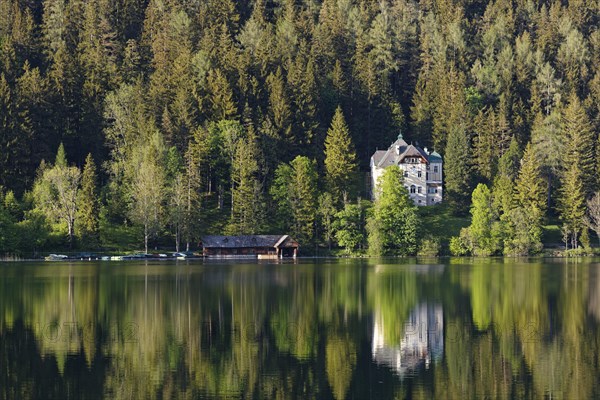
[314, 329]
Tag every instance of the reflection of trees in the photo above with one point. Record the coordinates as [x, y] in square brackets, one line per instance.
[393, 293]
[340, 358]
[594, 299]
[421, 343]
[152, 331]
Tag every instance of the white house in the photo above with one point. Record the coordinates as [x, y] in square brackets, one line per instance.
[422, 171]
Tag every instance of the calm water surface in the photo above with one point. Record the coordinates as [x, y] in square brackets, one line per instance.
[315, 329]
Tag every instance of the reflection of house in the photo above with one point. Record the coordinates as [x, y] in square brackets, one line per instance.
[422, 171]
[423, 340]
[263, 246]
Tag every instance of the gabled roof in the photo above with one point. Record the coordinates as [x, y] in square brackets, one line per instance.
[224, 242]
[413, 151]
[389, 156]
[399, 150]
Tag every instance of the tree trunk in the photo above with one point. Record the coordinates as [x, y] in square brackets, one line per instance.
[146, 237]
[70, 227]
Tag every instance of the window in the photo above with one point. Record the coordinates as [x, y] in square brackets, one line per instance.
[427, 176]
[413, 188]
[419, 201]
[435, 169]
[419, 189]
[419, 174]
[406, 174]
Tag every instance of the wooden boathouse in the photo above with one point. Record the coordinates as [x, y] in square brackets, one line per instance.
[261, 246]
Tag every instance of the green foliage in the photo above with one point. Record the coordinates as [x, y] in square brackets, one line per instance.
[461, 245]
[327, 213]
[87, 227]
[429, 247]
[340, 159]
[457, 169]
[248, 213]
[147, 188]
[393, 225]
[349, 225]
[295, 192]
[482, 219]
[525, 219]
[56, 191]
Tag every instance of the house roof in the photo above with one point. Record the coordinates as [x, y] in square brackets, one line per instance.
[391, 156]
[435, 157]
[413, 151]
[244, 241]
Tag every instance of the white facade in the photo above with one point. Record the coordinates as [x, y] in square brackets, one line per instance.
[422, 170]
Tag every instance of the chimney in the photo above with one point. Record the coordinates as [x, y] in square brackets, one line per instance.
[398, 150]
[426, 151]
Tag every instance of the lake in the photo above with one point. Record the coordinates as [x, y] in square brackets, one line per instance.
[325, 329]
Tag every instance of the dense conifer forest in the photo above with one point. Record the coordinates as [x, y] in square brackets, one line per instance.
[153, 122]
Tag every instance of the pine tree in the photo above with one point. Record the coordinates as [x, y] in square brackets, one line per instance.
[525, 220]
[457, 169]
[87, 227]
[579, 143]
[340, 159]
[295, 192]
[572, 202]
[248, 214]
[222, 102]
[327, 212]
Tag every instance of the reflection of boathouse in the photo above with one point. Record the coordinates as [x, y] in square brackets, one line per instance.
[422, 340]
[261, 246]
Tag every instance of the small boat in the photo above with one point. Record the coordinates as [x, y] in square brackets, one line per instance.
[56, 257]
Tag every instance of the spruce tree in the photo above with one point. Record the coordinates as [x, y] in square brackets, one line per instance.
[457, 169]
[572, 202]
[340, 159]
[295, 192]
[248, 214]
[87, 226]
[579, 143]
[525, 219]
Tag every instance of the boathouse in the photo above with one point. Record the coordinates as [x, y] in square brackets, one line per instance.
[261, 246]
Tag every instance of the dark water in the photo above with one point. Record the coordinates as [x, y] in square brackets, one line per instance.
[325, 329]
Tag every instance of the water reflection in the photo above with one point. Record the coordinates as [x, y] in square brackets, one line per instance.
[422, 343]
[338, 329]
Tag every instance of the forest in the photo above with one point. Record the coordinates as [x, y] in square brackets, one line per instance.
[127, 123]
